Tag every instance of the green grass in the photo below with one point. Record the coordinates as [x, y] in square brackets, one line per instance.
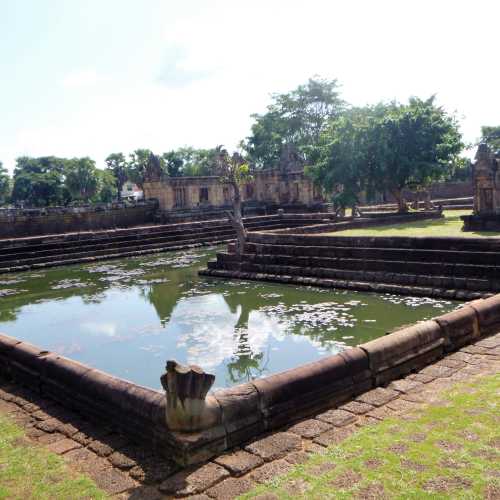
[448, 451]
[451, 225]
[28, 472]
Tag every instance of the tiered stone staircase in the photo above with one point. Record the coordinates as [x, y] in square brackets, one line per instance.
[461, 268]
[21, 254]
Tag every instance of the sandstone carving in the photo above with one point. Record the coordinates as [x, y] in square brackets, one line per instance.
[486, 183]
[188, 408]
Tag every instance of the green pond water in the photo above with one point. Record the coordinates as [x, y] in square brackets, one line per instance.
[127, 317]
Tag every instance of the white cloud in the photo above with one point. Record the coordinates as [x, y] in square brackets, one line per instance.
[108, 329]
[82, 78]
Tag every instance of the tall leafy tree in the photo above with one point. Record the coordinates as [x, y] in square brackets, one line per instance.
[5, 184]
[491, 136]
[116, 163]
[414, 144]
[173, 163]
[107, 189]
[340, 158]
[297, 117]
[386, 148]
[190, 162]
[81, 178]
[39, 182]
[136, 167]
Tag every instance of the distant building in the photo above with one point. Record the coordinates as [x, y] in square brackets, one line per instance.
[286, 185]
[131, 192]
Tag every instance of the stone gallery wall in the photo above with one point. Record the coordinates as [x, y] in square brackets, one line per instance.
[444, 190]
[16, 223]
[247, 410]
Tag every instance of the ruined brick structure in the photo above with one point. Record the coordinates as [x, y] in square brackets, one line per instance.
[486, 182]
[286, 185]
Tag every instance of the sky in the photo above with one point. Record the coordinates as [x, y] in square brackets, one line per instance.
[94, 77]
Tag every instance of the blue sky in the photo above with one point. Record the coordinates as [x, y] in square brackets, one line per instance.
[87, 77]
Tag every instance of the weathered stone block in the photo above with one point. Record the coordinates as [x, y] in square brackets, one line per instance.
[275, 446]
[230, 488]
[26, 364]
[403, 345]
[378, 397]
[488, 312]
[338, 418]
[239, 462]
[459, 327]
[299, 392]
[309, 428]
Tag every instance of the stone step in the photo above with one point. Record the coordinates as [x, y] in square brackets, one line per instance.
[83, 253]
[92, 245]
[400, 254]
[395, 242]
[384, 265]
[117, 254]
[365, 286]
[111, 237]
[402, 279]
[106, 247]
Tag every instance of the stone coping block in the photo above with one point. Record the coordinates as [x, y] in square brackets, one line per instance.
[246, 410]
[488, 312]
[460, 327]
[401, 346]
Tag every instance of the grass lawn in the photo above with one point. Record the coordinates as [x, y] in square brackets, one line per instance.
[28, 472]
[450, 450]
[451, 225]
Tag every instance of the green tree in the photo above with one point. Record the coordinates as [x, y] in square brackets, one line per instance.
[297, 117]
[136, 167]
[413, 144]
[107, 189]
[81, 178]
[173, 163]
[491, 136]
[5, 184]
[386, 148]
[189, 162]
[39, 182]
[342, 161]
[117, 165]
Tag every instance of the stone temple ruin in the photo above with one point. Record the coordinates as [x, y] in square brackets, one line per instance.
[285, 186]
[486, 183]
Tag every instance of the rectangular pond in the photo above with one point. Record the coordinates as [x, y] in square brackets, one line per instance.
[127, 317]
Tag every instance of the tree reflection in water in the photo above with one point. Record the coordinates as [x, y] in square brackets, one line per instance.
[245, 365]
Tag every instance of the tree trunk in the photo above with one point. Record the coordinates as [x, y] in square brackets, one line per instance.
[237, 221]
[398, 194]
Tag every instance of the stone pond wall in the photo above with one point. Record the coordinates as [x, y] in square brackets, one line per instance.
[17, 222]
[444, 267]
[246, 410]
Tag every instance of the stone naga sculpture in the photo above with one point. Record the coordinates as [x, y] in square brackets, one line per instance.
[188, 408]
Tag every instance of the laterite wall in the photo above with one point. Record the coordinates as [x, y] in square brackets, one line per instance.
[15, 223]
